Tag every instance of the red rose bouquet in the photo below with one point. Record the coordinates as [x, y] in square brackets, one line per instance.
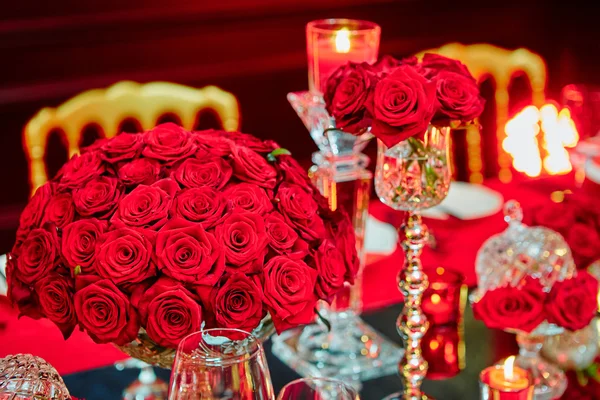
[398, 99]
[168, 231]
[570, 304]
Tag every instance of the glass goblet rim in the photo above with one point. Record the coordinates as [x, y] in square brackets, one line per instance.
[331, 25]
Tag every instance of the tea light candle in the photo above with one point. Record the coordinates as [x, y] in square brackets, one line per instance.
[506, 382]
[331, 43]
[445, 299]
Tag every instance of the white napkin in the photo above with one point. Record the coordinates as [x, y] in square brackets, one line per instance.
[380, 237]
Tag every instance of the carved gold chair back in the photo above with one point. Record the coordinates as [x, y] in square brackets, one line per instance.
[109, 107]
[486, 60]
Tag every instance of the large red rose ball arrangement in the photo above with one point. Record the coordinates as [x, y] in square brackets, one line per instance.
[398, 99]
[570, 304]
[170, 231]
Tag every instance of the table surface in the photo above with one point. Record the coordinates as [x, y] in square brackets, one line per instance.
[483, 348]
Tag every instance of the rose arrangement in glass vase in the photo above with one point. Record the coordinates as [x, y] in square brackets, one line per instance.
[145, 238]
[528, 285]
[409, 105]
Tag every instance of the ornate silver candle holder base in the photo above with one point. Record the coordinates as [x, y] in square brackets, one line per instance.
[351, 351]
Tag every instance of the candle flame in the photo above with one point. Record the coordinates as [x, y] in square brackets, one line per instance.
[509, 365]
[342, 40]
[435, 298]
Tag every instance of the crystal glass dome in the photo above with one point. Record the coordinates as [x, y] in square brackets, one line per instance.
[521, 251]
[24, 376]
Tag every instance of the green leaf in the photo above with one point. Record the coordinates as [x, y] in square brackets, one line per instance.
[77, 270]
[272, 156]
[324, 320]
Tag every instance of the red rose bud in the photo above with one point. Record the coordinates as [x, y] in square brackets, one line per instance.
[38, 255]
[79, 243]
[249, 166]
[189, 254]
[168, 143]
[248, 197]
[80, 169]
[299, 209]
[125, 146]
[141, 171]
[106, 313]
[459, 98]
[433, 64]
[512, 308]
[331, 269]
[60, 210]
[55, 293]
[204, 205]
[283, 239]
[572, 303]
[402, 105]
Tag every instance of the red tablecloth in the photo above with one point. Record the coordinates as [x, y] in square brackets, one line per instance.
[457, 245]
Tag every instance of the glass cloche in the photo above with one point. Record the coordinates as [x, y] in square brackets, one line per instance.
[24, 376]
[509, 257]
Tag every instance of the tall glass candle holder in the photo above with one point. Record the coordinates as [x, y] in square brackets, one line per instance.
[350, 350]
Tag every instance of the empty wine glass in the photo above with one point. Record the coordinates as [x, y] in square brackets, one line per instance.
[220, 364]
[317, 389]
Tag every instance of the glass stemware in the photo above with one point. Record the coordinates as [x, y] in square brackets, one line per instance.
[317, 389]
[218, 364]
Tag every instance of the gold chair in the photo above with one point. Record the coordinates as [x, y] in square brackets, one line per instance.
[485, 60]
[109, 107]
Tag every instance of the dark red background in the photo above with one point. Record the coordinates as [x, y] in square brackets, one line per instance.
[52, 50]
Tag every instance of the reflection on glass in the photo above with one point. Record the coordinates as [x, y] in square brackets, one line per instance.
[220, 364]
[317, 389]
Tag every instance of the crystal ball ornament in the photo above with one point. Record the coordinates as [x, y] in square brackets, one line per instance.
[24, 376]
[506, 259]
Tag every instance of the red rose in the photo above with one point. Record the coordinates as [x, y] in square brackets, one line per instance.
[106, 313]
[289, 291]
[168, 143]
[458, 96]
[211, 143]
[244, 240]
[204, 205]
[168, 312]
[19, 294]
[434, 64]
[238, 303]
[584, 242]
[402, 105]
[79, 243]
[38, 255]
[186, 252]
[80, 169]
[60, 210]
[331, 270]
[335, 79]
[55, 293]
[144, 207]
[348, 103]
[214, 172]
[141, 171]
[249, 166]
[300, 210]
[248, 197]
[123, 147]
[292, 172]
[283, 239]
[124, 255]
[98, 197]
[35, 210]
[572, 303]
[387, 64]
[512, 308]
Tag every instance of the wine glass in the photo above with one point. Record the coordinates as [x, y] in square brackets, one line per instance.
[220, 364]
[317, 389]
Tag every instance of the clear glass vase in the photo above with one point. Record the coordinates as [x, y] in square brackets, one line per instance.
[350, 350]
[412, 176]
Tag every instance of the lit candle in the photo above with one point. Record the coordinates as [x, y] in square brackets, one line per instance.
[332, 43]
[509, 377]
[506, 382]
[444, 300]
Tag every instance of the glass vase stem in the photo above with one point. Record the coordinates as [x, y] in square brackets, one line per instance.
[412, 323]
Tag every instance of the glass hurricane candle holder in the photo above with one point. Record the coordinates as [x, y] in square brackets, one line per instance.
[444, 350]
[503, 381]
[331, 43]
[445, 299]
[411, 176]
